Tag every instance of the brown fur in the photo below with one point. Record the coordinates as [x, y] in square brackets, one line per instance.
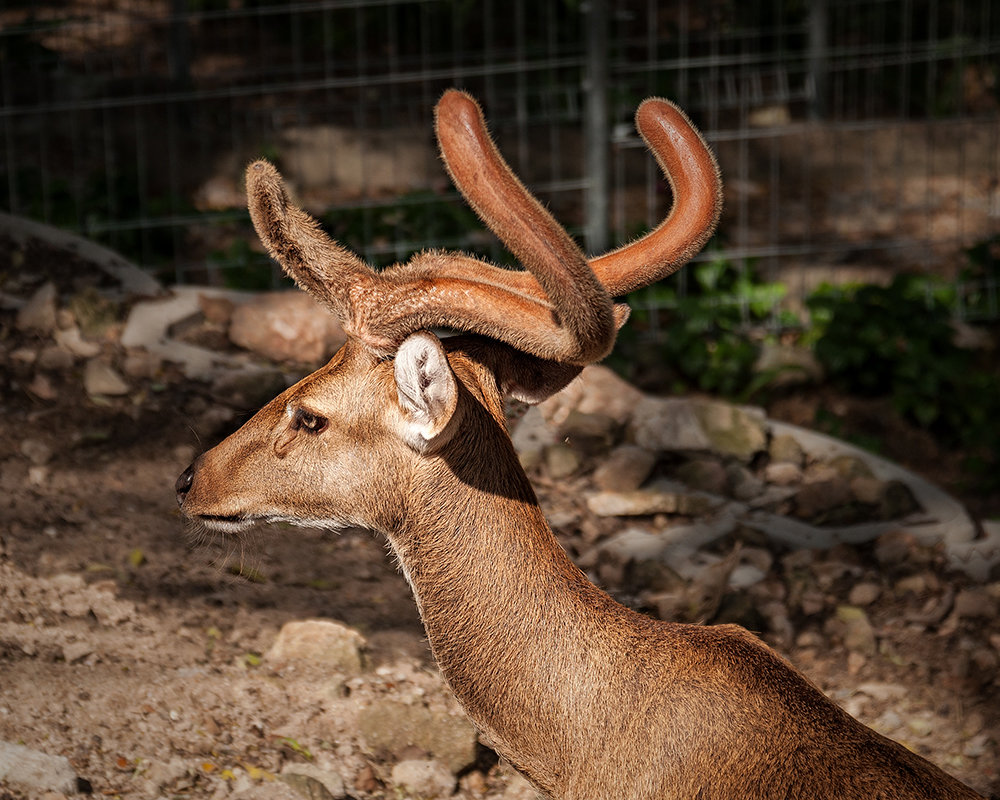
[586, 697]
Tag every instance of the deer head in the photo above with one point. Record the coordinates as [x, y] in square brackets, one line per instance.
[339, 447]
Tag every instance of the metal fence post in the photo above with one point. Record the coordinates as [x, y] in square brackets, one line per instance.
[597, 128]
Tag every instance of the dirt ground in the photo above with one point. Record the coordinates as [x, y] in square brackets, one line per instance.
[133, 646]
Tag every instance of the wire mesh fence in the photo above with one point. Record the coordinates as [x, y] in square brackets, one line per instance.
[856, 139]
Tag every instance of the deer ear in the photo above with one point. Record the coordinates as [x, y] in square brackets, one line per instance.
[427, 390]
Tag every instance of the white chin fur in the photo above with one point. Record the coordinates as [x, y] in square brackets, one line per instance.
[230, 526]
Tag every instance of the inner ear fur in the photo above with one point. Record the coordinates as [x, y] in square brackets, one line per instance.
[427, 390]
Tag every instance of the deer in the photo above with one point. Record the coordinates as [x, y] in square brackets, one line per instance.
[403, 433]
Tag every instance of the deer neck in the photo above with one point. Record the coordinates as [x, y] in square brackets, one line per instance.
[507, 614]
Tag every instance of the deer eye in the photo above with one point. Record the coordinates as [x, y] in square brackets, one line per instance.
[307, 420]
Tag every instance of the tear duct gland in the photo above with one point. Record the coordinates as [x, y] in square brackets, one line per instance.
[404, 434]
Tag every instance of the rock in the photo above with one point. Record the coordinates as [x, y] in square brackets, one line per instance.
[70, 340]
[848, 467]
[732, 430]
[423, 778]
[216, 310]
[597, 390]
[859, 636]
[519, 788]
[894, 547]
[100, 378]
[643, 502]
[590, 433]
[163, 774]
[704, 474]
[561, 461]
[864, 594]
[783, 473]
[667, 424]
[55, 358]
[319, 641]
[975, 603]
[625, 469]
[142, 364]
[314, 783]
[897, 501]
[531, 436]
[785, 449]
[94, 313]
[814, 499]
[743, 484]
[35, 771]
[286, 326]
[36, 451]
[39, 313]
[868, 490]
[390, 726]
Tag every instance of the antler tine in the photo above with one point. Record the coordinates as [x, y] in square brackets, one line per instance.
[696, 184]
[321, 266]
[565, 315]
[686, 161]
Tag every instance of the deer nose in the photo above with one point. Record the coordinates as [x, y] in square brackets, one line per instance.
[183, 484]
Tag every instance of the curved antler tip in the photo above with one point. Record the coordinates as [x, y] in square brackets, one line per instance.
[456, 104]
[654, 109]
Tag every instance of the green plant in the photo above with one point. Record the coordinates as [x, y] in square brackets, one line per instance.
[707, 340]
[897, 341]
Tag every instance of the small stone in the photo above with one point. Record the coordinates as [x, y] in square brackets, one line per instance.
[319, 641]
[864, 594]
[42, 388]
[859, 636]
[388, 726]
[912, 584]
[597, 390]
[785, 449]
[897, 501]
[644, 502]
[855, 662]
[314, 783]
[743, 484]
[69, 339]
[894, 547]
[518, 788]
[867, 489]
[920, 726]
[100, 378]
[848, 467]
[703, 474]
[975, 603]
[423, 778]
[141, 364]
[589, 433]
[76, 651]
[813, 499]
[286, 326]
[36, 771]
[561, 461]
[216, 310]
[732, 430]
[783, 473]
[531, 436]
[55, 358]
[36, 451]
[39, 313]
[625, 469]
[668, 424]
